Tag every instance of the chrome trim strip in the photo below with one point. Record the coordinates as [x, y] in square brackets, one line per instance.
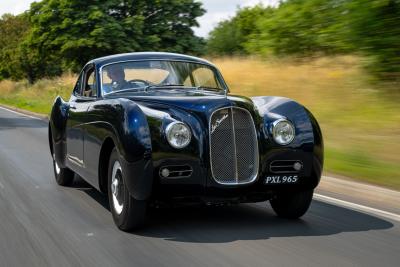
[257, 162]
[285, 166]
[190, 169]
[234, 147]
[75, 160]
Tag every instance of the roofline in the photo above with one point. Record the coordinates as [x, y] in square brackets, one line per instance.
[138, 56]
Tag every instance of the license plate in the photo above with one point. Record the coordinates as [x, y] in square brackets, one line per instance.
[281, 179]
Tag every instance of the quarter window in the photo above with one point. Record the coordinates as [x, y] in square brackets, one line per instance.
[78, 86]
[89, 89]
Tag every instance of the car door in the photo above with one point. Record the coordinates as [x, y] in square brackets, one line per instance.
[84, 95]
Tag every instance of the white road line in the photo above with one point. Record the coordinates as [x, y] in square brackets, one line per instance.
[19, 113]
[357, 207]
[319, 197]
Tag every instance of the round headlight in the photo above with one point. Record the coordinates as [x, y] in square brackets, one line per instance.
[178, 134]
[283, 131]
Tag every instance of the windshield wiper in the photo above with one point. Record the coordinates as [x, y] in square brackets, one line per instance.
[201, 87]
[140, 89]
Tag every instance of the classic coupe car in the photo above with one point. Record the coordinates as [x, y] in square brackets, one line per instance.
[148, 128]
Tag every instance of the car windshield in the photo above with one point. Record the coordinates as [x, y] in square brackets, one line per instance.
[159, 74]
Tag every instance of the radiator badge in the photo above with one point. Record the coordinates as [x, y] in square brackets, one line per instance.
[218, 122]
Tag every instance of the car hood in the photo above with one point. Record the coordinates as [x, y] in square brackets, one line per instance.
[194, 101]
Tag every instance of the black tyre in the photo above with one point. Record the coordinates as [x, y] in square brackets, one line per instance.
[292, 205]
[64, 176]
[128, 213]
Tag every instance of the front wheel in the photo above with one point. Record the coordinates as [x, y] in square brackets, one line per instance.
[128, 213]
[64, 176]
[292, 205]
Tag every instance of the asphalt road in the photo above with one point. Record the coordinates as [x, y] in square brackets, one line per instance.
[43, 224]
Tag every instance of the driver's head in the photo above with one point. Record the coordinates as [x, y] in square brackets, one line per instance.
[116, 73]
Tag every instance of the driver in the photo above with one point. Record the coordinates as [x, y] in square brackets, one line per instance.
[117, 75]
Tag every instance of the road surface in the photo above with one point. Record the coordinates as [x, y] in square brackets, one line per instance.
[43, 224]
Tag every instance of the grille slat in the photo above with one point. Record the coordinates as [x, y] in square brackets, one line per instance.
[233, 146]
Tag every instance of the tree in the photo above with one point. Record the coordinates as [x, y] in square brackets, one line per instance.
[376, 29]
[302, 27]
[317, 27]
[13, 30]
[224, 39]
[230, 36]
[68, 33]
[167, 24]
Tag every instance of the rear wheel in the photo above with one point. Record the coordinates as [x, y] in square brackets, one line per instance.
[64, 176]
[292, 205]
[128, 213]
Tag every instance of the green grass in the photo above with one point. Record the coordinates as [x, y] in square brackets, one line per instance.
[38, 97]
[358, 164]
[360, 120]
[34, 105]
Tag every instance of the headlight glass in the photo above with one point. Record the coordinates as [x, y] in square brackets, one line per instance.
[178, 134]
[283, 132]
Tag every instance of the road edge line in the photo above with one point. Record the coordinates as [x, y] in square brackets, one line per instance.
[357, 207]
[24, 113]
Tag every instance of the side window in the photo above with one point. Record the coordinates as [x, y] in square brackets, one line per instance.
[90, 84]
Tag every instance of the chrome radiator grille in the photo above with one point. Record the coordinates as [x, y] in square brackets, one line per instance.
[233, 146]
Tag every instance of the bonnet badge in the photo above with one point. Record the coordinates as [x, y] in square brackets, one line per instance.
[218, 122]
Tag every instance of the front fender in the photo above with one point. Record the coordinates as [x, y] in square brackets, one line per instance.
[137, 152]
[133, 141]
[133, 132]
[273, 108]
[308, 133]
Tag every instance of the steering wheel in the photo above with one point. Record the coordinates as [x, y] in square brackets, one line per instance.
[135, 81]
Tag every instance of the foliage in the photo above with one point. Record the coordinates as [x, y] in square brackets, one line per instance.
[13, 30]
[55, 36]
[309, 27]
[65, 34]
[302, 28]
[230, 36]
[377, 31]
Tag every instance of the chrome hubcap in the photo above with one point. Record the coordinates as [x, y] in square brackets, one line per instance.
[117, 188]
[57, 168]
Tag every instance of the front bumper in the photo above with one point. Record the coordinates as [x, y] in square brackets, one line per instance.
[201, 184]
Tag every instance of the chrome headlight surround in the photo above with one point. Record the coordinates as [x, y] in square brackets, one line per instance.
[178, 134]
[283, 132]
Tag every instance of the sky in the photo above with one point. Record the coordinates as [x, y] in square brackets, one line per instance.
[217, 10]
